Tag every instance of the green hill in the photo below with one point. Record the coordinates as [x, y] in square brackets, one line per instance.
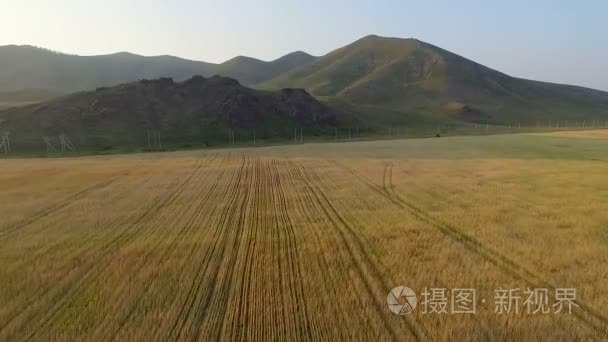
[23, 68]
[252, 71]
[379, 76]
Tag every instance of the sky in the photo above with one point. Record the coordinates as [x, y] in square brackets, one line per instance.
[555, 41]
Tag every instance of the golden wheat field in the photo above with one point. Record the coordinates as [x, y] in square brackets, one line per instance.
[305, 242]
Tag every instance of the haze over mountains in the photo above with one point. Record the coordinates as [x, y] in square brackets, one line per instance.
[26, 67]
[382, 81]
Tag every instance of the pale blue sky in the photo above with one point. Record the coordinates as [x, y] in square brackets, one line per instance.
[557, 41]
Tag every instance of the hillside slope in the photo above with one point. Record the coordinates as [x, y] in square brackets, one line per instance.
[23, 97]
[198, 109]
[412, 76]
[27, 67]
[252, 71]
[384, 81]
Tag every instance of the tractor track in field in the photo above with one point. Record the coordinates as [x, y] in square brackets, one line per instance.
[239, 212]
[590, 317]
[209, 270]
[193, 222]
[41, 253]
[261, 195]
[336, 242]
[198, 288]
[167, 251]
[210, 322]
[354, 247]
[31, 301]
[85, 275]
[52, 247]
[115, 244]
[199, 274]
[60, 205]
[309, 211]
[293, 255]
[247, 273]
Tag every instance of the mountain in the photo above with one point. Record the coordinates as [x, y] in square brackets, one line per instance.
[376, 75]
[196, 110]
[382, 81]
[252, 71]
[26, 67]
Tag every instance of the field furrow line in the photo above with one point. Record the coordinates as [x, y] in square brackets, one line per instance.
[587, 315]
[294, 258]
[169, 250]
[305, 203]
[58, 293]
[89, 243]
[240, 325]
[374, 282]
[225, 287]
[55, 245]
[35, 217]
[195, 308]
[276, 251]
[190, 297]
[251, 324]
[214, 197]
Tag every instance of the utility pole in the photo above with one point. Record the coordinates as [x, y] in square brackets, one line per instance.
[66, 144]
[5, 142]
[154, 140]
[49, 144]
[231, 136]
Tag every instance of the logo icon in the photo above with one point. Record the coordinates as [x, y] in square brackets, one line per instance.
[401, 300]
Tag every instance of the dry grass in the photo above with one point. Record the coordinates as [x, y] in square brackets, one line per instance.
[259, 244]
[594, 134]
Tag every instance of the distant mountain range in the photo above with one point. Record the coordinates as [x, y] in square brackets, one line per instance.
[26, 67]
[382, 81]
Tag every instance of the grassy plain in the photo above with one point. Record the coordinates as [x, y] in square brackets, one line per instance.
[304, 242]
